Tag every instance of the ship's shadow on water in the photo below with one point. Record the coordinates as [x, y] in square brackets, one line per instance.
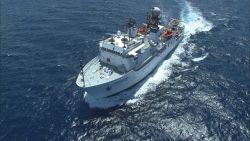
[85, 112]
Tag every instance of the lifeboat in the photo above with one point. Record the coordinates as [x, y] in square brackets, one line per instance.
[168, 34]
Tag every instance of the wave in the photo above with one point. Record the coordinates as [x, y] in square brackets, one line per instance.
[194, 22]
[200, 58]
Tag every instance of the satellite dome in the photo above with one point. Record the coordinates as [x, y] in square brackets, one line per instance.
[155, 11]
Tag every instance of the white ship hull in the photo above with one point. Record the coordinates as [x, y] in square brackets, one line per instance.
[131, 78]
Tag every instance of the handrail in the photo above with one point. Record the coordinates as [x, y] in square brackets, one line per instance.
[85, 68]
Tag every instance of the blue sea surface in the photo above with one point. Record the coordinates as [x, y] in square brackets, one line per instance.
[200, 92]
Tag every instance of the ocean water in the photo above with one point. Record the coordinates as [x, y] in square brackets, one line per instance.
[200, 92]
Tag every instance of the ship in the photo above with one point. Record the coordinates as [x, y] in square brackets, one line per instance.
[125, 59]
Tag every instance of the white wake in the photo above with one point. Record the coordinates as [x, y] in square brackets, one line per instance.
[194, 22]
[200, 58]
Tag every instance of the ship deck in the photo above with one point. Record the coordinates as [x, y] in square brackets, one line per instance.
[96, 73]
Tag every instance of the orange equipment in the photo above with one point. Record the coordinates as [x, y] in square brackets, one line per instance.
[168, 34]
[143, 29]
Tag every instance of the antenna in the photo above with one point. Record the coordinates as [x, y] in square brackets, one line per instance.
[112, 40]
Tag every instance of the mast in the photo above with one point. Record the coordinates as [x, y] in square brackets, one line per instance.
[131, 28]
[153, 22]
